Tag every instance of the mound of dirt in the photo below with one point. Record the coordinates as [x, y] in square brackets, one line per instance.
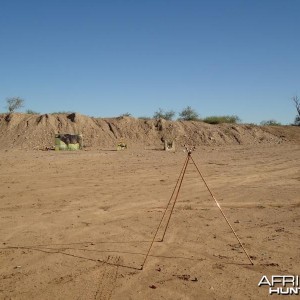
[27, 131]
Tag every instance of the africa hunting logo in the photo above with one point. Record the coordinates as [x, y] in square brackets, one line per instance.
[281, 284]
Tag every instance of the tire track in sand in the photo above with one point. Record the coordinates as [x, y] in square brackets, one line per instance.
[108, 281]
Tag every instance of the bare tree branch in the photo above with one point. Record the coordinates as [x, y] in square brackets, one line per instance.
[296, 99]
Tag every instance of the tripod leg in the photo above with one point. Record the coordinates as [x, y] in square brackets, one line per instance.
[222, 212]
[183, 173]
[180, 178]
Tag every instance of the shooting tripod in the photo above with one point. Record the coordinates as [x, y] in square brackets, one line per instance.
[176, 190]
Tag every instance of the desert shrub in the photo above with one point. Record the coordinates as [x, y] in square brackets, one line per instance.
[188, 114]
[126, 115]
[270, 123]
[161, 114]
[31, 112]
[144, 118]
[14, 103]
[222, 119]
[61, 113]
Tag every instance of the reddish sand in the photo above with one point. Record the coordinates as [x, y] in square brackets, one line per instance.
[77, 225]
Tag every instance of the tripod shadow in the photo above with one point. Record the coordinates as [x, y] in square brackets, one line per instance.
[48, 249]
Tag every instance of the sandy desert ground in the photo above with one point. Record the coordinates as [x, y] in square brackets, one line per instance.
[77, 225]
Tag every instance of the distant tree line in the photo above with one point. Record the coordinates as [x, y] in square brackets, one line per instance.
[187, 114]
[190, 114]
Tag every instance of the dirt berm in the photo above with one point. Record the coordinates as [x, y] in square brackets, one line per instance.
[27, 131]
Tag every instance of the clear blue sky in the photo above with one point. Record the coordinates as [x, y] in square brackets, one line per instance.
[108, 57]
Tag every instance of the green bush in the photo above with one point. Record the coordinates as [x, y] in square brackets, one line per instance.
[222, 119]
[31, 112]
[144, 118]
[270, 123]
[161, 114]
[188, 114]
